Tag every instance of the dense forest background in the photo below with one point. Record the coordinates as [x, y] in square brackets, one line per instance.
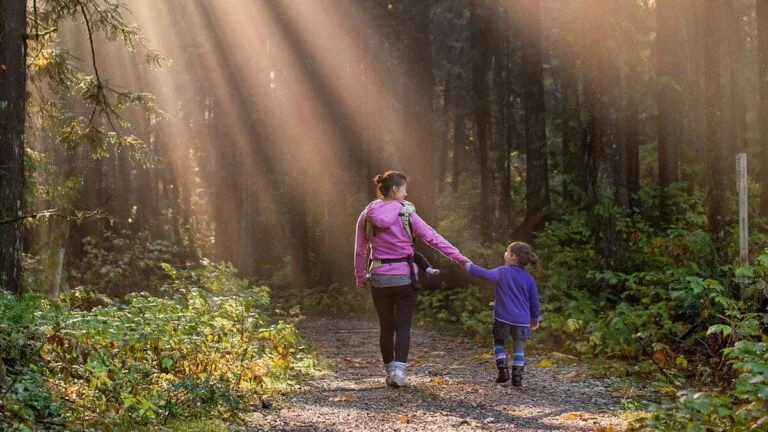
[247, 132]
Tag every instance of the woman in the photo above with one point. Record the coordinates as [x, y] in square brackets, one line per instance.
[381, 229]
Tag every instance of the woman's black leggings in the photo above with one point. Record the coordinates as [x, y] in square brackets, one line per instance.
[395, 306]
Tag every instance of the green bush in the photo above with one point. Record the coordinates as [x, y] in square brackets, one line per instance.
[464, 309]
[118, 265]
[146, 360]
[741, 405]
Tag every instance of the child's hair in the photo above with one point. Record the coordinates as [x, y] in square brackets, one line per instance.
[385, 182]
[523, 253]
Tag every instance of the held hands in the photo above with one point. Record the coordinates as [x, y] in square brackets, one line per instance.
[534, 325]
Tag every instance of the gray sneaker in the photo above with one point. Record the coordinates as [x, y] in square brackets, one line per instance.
[397, 380]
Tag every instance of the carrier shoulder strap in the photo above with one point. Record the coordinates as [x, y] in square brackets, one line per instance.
[405, 217]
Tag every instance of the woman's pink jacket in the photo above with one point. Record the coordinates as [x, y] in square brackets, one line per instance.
[390, 240]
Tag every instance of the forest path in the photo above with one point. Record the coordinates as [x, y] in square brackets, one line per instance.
[451, 389]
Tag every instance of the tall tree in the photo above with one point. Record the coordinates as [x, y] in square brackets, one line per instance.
[601, 93]
[570, 120]
[713, 108]
[670, 101]
[419, 147]
[480, 28]
[13, 19]
[631, 108]
[695, 127]
[537, 172]
[762, 112]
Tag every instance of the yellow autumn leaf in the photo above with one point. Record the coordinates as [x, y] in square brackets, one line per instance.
[575, 415]
[403, 419]
[439, 380]
[544, 363]
[349, 397]
[603, 429]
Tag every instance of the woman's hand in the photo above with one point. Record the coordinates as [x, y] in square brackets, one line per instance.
[365, 283]
[534, 325]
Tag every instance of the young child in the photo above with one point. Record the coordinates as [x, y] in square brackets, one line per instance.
[516, 308]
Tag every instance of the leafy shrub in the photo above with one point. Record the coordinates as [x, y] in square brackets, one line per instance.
[465, 310]
[118, 265]
[742, 406]
[145, 361]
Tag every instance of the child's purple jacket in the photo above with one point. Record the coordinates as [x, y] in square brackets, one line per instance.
[516, 297]
[390, 240]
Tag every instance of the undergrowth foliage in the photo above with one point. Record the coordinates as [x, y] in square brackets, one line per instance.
[101, 365]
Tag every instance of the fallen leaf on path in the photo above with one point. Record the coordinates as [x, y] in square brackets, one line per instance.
[544, 363]
[577, 415]
[403, 419]
[344, 397]
[603, 429]
[438, 380]
[562, 356]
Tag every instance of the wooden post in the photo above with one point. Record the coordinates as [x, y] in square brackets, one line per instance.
[741, 170]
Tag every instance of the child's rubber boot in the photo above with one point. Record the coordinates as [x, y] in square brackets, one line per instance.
[503, 378]
[517, 376]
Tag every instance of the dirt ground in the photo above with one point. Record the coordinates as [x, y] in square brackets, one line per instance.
[451, 389]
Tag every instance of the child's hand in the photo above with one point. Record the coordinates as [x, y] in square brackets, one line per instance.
[467, 265]
[432, 271]
[535, 325]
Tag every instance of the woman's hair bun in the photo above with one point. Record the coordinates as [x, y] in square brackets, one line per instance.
[379, 179]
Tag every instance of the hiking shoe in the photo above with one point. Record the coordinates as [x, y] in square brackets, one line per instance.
[397, 380]
[517, 376]
[503, 378]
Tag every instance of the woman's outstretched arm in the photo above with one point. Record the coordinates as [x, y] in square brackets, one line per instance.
[431, 237]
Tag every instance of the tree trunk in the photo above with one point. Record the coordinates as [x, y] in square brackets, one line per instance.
[715, 147]
[459, 141]
[601, 93]
[695, 127]
[736, 68]
[573, 170]
[13, 76]
[419, 146]
[481, 62]
[503, 146]
[762, 111]
[537, 173]
[632, 126]
[669, 100]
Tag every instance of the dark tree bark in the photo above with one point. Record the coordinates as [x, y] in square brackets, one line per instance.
[537, 173]
[601, 92]
[717, 161]
[695, 127]
[503, 138]
[13, 81]
[762, 112]
[481, 68]
[573, 154]
[669, 99]
[736, 67]
[459, 142]
[632, 128]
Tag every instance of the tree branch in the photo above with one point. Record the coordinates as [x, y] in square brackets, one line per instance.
[99, 83]
[55, 212]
